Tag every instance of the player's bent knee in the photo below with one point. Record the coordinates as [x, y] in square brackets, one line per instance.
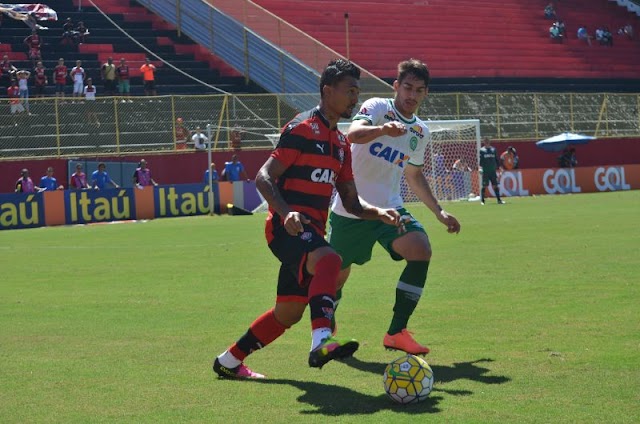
[289, 313]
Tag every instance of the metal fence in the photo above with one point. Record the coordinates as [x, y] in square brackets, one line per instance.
[64, 128]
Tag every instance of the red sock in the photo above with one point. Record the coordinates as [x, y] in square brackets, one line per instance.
[262, 331]
[322, 290]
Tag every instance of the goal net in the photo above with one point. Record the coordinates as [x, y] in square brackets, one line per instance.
[450, 163]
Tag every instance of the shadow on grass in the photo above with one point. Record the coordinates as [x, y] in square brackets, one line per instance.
[334, 401]
[442, 373]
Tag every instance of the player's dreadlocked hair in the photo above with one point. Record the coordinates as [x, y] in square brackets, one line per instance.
[336, 70]
[413, 67]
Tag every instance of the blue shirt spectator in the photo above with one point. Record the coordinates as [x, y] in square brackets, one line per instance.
[214, 175]
[49, 182]
[234, 170]
[100, 178]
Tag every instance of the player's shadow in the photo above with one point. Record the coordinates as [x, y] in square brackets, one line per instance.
[332, 400]
[442, 373]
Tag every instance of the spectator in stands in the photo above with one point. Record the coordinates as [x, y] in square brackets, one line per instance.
[39, 79]
[78, 180]
[108, 74]
[550, 11]
[34, 44]
[199, 139]
[607, 37]
[7, 71]
[562, 28]
[235, 142]
[69, 33]
[214, 174]
[49, 183]
[100, 178]
[568, 158]
[90, 92]
[142, 175]
[23, 84]
[599, 35]
[583, 34]
[124, 87]
[82, 32]
[234, 170]
[60, 77]
[509, 159]
[13, 92]
[182, 134]
[148, 76]
[626, 30]
[554, 33]
[78, 76]
[25, 184]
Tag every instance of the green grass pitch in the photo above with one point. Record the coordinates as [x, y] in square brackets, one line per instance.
[532, 313]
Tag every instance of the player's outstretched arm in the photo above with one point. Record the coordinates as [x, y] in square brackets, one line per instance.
[358, 207]
[420, 187]
[362, 132]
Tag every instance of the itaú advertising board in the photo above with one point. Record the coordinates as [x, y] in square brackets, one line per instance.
[68, 207]
[569, 180]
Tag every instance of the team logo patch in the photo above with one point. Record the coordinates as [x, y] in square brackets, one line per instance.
[341, 156]
[390, 116]
[417, 130]
[315, 128]
[306, 236]
[413, 143]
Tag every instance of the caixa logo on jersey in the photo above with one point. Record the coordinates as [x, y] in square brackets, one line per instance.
[560, 181]
[320, 175]
[610, 179]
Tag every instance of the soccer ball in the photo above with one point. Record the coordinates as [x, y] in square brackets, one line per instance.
[408, 379]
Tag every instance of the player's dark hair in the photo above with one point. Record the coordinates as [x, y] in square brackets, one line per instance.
[414, 67]
[336, 70]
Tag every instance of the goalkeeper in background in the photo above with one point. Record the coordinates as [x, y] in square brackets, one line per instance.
[389, 141]
[489, 164]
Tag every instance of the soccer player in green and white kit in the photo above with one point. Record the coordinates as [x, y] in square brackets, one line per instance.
[489, 164]
[389, 140]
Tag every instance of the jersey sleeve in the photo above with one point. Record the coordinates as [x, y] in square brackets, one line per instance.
[372, 111]
[346, 171]
[289, 146]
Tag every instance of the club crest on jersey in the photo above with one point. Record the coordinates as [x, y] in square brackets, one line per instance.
[341, 156]
[417, 130]
[389, 154]
[306, 236]
[413, 143]
[320, 175]
[390, 116]
[364, 112]
[315, 128]
[342, 139]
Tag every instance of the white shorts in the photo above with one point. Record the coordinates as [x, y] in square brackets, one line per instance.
[17, 107]
[78, 87]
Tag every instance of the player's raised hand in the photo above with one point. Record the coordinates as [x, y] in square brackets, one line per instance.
[453, 226]
[294, 223]
[394, 129]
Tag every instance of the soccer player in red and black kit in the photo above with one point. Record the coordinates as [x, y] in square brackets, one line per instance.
[297, 182]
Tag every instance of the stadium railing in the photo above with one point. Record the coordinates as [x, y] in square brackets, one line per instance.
[64, 128]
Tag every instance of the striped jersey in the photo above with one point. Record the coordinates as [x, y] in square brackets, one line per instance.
[315, 157]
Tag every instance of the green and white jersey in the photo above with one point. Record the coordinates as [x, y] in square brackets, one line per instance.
[378, 165]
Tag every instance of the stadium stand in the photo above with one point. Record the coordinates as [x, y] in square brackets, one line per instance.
[105, 40]
[486, 39]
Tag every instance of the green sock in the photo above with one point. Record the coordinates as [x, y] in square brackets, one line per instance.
[408, 292]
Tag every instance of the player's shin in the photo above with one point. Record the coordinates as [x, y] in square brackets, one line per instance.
[264, 330]
[322, 296]
[408, 293]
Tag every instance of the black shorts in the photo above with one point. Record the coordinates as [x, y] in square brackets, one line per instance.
[110, 85]
[489, 177]
[292, 251]
[150, 85]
